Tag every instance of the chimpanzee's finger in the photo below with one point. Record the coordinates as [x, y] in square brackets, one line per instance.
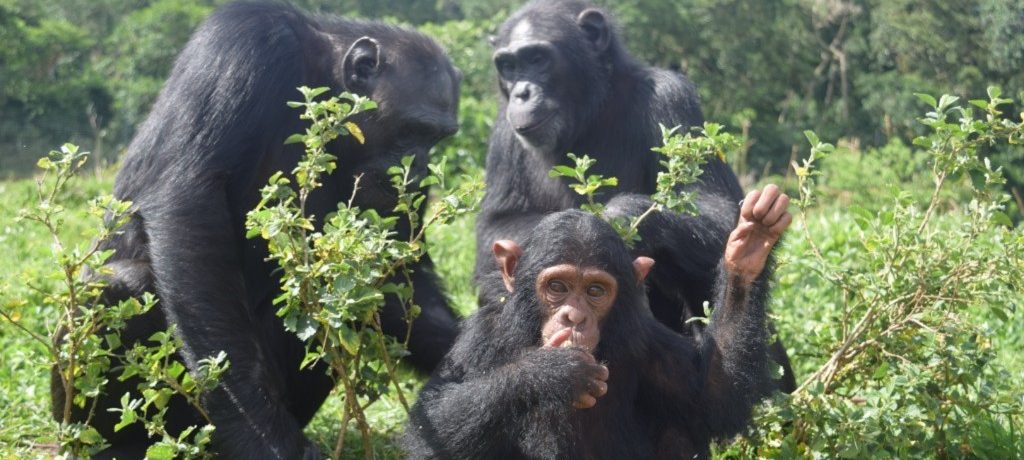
[779, 208]
[782, 224]
[765, 201]
[559, 338]
[742, 231]
[598, 388]
[585, 401]
[747, 210]
[599, 372]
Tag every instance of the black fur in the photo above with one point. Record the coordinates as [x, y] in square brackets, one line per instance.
[195, 168]
[498, 396]
[611, 106]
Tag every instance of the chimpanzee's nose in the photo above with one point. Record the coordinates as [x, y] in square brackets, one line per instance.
[521, 91]
[570, 315]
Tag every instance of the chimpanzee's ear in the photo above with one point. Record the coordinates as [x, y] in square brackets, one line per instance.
[361, 65]
[642, 266]
[507, 253]
[492, 39]
[595, 27]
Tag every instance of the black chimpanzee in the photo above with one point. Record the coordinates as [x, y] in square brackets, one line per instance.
[568, 85]
[213, 138]
[573, 365]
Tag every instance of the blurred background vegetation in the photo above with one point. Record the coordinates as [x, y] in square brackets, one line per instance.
[86, 71]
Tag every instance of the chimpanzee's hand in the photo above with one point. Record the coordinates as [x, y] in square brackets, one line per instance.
[763, 218]
[587, 379]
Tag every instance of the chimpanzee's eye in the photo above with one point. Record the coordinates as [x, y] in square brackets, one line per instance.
[595, 290]
[506, 66]
[558, 287]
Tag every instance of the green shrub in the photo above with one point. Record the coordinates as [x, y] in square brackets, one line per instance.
[884, 304]
[83, 341]
[336, 273]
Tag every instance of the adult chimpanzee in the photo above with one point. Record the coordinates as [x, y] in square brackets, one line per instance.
[213, 138]
[573, 364]
[568, 85]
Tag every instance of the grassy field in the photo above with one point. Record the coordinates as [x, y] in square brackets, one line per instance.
[806, 311]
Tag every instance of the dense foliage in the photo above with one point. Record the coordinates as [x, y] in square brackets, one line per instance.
[87, 71]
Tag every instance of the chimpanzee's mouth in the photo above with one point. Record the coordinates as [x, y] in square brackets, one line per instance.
[533, 127]
[576, 341]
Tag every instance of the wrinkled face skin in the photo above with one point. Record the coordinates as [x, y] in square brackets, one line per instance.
[573, 300]
[577, 299]
[529, 67]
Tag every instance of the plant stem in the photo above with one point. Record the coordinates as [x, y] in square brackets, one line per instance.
[340, 442]
[389, 364]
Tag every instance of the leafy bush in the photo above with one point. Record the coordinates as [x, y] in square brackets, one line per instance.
[887, 303]
[335, 274]
[84, 340]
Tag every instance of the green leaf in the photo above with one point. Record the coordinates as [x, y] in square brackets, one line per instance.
[317, 91]
[947, 100]
[881, 371]
[812, 137]
[349, 339]
[862, 217]
[161, 451]
[160, 398]
[305, 328]
[295, 139]
[562, 170]
[175, 369]
[927, 99]
[1000, 218]
[113, 340]
[1000, 313]
[91, 437]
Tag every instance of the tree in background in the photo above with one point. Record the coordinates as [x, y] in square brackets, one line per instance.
[88, 71]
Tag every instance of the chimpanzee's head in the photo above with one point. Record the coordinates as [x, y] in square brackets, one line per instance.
[573, 276]
[554, 62]
[416, 89]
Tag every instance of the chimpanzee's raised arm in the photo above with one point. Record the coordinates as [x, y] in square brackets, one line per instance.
[724, 374]
[687, 250]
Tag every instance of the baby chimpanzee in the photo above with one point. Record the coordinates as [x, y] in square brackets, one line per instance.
[571, 363]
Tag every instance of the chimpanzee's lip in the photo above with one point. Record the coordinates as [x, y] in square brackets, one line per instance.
[580, 347]
[533, 127]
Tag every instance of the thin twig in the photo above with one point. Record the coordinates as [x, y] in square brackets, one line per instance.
[388, 363]
[32, 334]
[939, 181]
